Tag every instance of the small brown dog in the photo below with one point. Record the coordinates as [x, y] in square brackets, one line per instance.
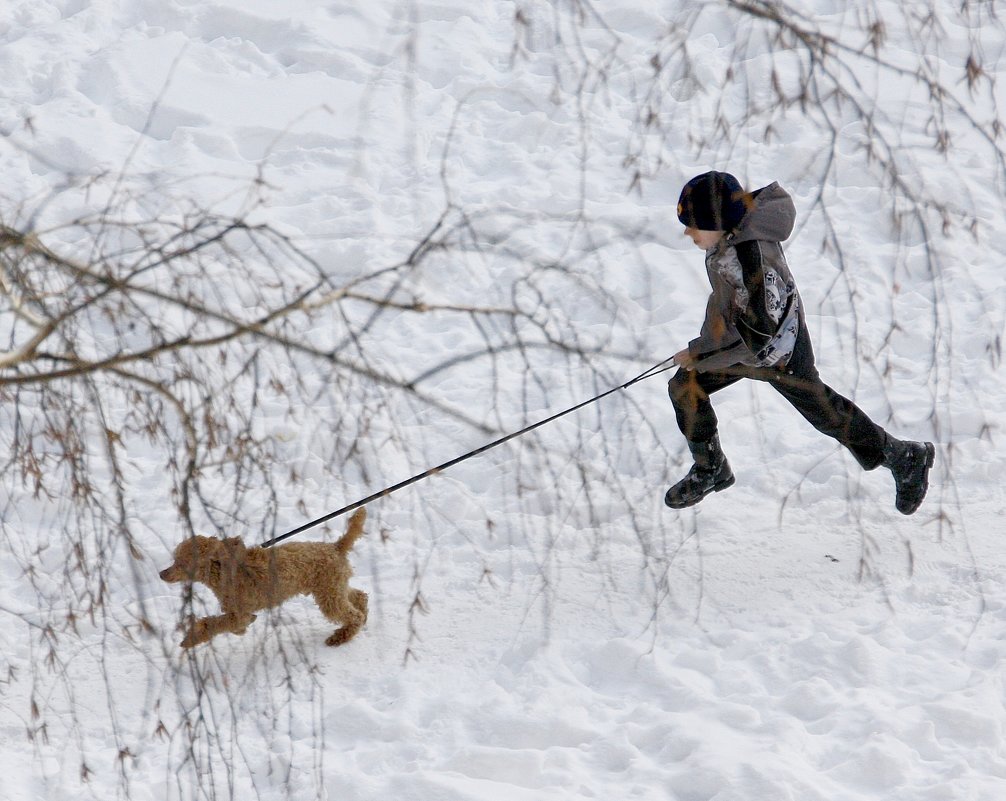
[246, 580]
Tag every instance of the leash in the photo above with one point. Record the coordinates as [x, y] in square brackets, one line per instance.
[661, 367]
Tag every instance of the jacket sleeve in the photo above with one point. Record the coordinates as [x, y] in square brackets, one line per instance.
[737, 323]
[718, 345]
[755, 324]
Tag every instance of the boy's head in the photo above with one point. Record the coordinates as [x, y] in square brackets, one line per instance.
[713, 201]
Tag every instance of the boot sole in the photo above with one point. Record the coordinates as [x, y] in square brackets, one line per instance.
[718, 487]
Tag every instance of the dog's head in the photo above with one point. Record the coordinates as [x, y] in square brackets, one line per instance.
[201, 559]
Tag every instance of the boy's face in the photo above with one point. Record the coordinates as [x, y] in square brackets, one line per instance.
[706, 240]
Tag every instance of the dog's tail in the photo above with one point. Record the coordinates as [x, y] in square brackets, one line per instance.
[353, 532]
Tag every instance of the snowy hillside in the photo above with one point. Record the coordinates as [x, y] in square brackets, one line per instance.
[473, 204]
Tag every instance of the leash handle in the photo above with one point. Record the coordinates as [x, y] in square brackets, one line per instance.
[660, 367]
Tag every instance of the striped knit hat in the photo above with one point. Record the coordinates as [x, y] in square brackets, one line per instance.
[713, 201]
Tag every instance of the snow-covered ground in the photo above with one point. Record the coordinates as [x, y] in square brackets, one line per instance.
[793, 638]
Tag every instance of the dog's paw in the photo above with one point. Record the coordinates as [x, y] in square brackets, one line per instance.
[197, 634]
[340, 636]
[240, 629]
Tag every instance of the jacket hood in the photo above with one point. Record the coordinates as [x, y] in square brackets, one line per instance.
[770, 218]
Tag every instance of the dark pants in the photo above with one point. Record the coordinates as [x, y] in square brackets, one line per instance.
[799, 383]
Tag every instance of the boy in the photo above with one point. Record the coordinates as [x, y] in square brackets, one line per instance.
[754, 328]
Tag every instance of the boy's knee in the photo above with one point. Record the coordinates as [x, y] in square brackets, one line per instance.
[683, 389]
[674, 385]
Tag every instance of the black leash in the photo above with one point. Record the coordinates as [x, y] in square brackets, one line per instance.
[666, 364]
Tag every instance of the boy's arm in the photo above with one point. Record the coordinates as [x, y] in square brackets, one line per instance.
[738, 323]
[718, 344]
[755, 322]
[726, 356]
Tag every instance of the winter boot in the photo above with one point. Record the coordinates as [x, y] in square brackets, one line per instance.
[710, 473]
[910, 463]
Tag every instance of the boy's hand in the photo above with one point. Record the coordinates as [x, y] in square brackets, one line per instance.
[684, 360]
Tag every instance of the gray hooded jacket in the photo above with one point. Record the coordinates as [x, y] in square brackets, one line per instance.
[754, 314]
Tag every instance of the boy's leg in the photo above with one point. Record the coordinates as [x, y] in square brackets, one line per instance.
[838, 417]
[690, 391]
[826, 410]
[834, 415]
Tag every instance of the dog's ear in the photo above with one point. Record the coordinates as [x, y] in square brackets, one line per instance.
[212, 554]
[227, 556]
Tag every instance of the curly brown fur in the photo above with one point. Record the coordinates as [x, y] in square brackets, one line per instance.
[246, 580]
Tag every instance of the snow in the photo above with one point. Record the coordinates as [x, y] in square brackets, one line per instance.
[793, 638]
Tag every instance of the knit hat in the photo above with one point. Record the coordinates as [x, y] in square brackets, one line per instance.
[713, 201]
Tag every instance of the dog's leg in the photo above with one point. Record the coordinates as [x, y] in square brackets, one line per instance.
[359, 599]
[349, 609]
[240, 621]
[205, 629]
[197, 633]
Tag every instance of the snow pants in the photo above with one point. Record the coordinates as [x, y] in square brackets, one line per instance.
[799, 383]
